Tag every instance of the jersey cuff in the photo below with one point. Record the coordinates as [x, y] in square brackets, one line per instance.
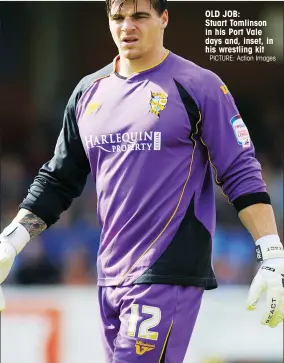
[39, 211]
[246, 200]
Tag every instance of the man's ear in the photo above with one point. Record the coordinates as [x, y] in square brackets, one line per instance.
[165, 19]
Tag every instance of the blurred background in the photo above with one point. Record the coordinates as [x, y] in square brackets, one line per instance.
[46, 48]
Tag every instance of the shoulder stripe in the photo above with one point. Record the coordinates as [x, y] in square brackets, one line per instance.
[190, 105]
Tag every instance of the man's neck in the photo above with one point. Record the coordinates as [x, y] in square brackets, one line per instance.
[126, 67]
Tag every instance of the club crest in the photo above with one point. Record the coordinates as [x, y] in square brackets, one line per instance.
[158, 102]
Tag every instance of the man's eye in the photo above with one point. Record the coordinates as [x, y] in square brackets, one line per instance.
[117, 18]
[139, 16]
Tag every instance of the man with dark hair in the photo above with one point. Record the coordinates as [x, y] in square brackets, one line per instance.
[151, 127]
[159, 5]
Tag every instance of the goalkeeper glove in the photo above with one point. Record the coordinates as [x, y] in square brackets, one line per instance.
[12, 240]
[269, 279]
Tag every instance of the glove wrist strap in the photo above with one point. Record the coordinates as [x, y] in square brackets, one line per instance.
[269, 247]
[16, 235]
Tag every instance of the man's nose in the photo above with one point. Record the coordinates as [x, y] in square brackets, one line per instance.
[127, 24]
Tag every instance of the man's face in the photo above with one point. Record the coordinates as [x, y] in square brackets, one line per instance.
[136, 30]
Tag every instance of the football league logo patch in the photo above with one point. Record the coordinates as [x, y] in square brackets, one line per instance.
[241, 131]
[158, 102]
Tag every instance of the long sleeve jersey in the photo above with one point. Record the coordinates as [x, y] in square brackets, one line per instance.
[155, 143]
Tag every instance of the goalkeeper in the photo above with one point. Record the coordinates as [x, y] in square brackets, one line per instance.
[149, 127]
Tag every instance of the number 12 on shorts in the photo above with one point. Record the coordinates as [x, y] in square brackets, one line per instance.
[147, 324]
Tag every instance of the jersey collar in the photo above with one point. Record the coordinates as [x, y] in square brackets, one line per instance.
[142, 70]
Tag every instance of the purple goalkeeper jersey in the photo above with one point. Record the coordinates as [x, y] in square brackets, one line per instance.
[154, 143]
[149, 140]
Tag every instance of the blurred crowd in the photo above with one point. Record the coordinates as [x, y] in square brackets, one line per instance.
[41, 39]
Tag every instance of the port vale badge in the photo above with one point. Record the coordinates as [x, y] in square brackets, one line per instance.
[158, 102]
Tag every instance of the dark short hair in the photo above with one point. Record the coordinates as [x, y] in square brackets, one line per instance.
[159, 5]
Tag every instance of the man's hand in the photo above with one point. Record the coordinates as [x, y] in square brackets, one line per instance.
[7, 257]
[269, 279]
[12, 241]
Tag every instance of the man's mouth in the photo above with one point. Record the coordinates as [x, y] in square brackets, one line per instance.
[129, 40]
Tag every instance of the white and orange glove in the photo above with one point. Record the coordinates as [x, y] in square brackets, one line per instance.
[12, 240]
[269, 279]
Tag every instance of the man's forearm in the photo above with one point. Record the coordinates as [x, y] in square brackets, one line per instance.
[259, 220]
[33, 224]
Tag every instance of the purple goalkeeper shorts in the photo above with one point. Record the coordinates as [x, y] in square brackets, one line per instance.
[148, 323]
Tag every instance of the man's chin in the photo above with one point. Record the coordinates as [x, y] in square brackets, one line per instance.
[131, 54]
